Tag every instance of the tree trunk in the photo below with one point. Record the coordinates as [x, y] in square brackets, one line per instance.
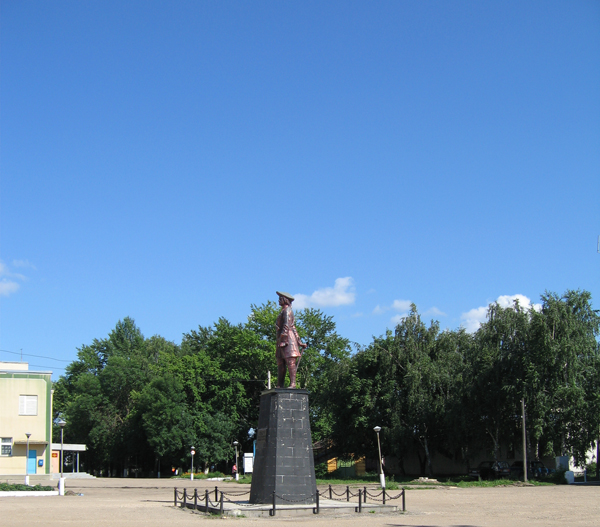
[426, 447]
[494, 437]
[422, 463]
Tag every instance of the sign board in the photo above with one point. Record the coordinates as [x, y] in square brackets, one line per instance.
[248, 462]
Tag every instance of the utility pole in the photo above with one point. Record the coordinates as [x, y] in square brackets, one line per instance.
[524, 442]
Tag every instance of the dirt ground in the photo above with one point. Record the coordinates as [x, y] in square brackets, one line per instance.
[149, 503]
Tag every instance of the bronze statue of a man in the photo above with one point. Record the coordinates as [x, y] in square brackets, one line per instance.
[288, 342]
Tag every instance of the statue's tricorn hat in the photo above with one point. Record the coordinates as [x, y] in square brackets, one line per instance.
[286, 295]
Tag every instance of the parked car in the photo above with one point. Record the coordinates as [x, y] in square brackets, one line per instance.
[491, 470]
[536, 470]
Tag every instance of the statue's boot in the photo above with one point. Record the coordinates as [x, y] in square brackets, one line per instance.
[280, 375]
[293, 367]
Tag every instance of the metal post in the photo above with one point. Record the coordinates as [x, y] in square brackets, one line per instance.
[365, 494]
[381, 475]
[184, 502]
[273, 510]
[221, 507]
[330, 494]
[403, 500]
[175, 497]
[195, 499]
[62, 460]
[27, 461]
[205, 500]
[216, 493]
[384, 495]
[359, 500]
[524, 442]
[237, 468]
[347, 492]
[192, 472]
[316, 510]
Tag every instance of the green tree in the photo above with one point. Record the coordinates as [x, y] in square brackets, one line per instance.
[497, 371]
[562, 377]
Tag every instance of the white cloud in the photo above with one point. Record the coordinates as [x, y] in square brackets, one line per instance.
[475, 317]
[23, 263]
[8, 285]
[397, 305]
[396, 319]
[341, 294]
[401, 305]
[509, 301]
[435, 312]
[404, 307]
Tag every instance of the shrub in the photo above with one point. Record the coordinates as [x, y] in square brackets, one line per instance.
[558, 477]
[5, 487]
[321, 470]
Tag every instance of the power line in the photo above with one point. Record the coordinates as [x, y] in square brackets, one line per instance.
[49, 367]
[37, 356]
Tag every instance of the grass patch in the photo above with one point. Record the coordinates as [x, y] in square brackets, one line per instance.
[200, 475]
[466, 482]
[7, 487]
[397, 482]
[245, 478]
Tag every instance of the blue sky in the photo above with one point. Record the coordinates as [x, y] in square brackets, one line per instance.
[176, 162]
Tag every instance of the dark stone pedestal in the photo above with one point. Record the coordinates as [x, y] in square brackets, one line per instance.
[284, 460]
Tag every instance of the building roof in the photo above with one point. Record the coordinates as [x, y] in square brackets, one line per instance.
[72, 447]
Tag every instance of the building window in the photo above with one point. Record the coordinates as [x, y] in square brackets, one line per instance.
[6, 446]
[28, 404]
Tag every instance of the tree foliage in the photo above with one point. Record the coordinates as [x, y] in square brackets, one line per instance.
[142, 403]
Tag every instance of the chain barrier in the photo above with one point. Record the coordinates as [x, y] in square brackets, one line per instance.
[396, 497]
[332, 492]
[204, 502]
[237, 493]
[373, 496]
[336, 493]
[351, 495]
[241, 504]
[213, 504]
[303, 501]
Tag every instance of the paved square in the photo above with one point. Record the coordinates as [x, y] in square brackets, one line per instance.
[149, 503]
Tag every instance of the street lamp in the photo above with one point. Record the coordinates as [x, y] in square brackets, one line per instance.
[61, 482]
[237, 471]
[381, 475]
[192, 474]
[27, 460]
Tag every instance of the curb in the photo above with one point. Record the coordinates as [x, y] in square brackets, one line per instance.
[19, 493]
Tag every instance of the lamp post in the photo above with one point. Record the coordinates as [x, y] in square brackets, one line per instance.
[27, 460]
[61, 482]
[381, 475]
[237, 471]
[192, 474]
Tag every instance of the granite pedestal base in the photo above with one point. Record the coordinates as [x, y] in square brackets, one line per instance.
[284, 461]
